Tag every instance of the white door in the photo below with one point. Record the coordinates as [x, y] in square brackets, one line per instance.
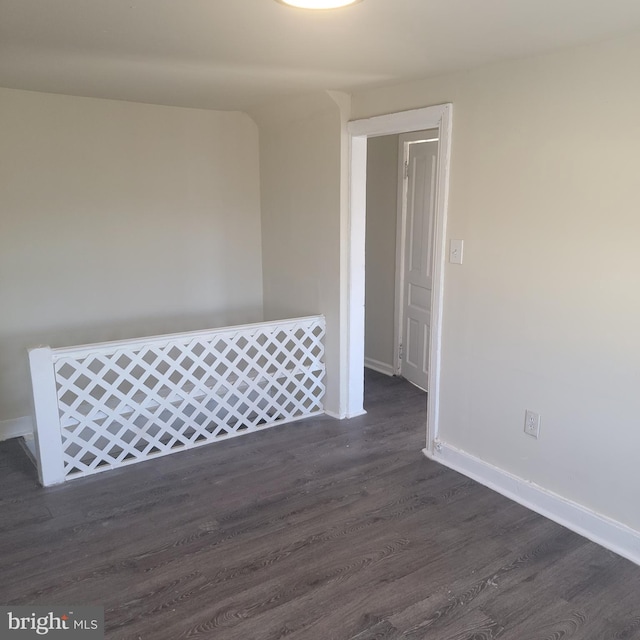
[417, 218]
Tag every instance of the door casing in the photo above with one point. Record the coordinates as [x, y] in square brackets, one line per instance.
[353, 270]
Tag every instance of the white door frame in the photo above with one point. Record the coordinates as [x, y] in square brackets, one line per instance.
[401, 221]
[352, 325]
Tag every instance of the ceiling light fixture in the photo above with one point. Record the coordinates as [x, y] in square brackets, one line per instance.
[318, 4]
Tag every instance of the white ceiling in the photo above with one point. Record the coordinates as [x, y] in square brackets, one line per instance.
[231, 54]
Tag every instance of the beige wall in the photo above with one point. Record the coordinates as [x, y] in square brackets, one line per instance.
[382, 199]
[120, 220]
[544, 313]
[300, 155]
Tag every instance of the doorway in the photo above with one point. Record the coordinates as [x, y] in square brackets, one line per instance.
[352, 333]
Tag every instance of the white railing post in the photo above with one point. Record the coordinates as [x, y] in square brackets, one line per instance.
[47, 432]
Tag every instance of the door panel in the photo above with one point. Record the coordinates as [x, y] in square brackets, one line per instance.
[419, 203]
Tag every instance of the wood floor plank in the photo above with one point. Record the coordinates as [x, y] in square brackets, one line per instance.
[321, 530]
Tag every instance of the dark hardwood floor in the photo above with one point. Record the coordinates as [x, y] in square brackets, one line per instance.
[320, 530]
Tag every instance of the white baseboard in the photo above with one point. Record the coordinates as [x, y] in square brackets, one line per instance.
[28, 445]
[600, 529]
[16, 428]
[380, 367]
[344, 416]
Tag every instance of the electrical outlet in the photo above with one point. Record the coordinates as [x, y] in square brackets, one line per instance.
[532, 423]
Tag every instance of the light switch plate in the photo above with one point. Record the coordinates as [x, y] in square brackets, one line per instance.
[456, 248]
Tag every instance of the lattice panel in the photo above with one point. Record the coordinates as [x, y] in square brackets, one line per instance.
[120, 405]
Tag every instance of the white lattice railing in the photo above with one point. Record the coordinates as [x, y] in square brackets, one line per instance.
[102, 406]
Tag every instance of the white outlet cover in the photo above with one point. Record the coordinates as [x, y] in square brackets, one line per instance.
[532, 423]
